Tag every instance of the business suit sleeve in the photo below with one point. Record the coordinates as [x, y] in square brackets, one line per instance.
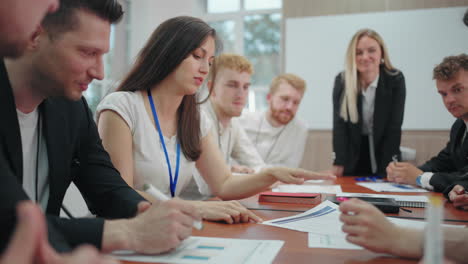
[445, 176]
[441, 181]
[462, 180]
[392, 133]
[440, 163]
[104, 190]
[63, 234]
[339, 126]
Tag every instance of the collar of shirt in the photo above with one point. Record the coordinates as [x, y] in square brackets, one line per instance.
[266, 126]
[370, 91]
[219, 126]
[464, 134]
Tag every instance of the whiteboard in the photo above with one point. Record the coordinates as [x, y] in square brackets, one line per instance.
[417, 40]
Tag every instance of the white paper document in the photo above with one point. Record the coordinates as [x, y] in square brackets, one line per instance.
[308, 188]
[322, 219]
[211, 250]
[324, 227]
[336, 241]
[390, 187]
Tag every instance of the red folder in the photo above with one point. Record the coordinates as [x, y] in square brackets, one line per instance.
[296, 198]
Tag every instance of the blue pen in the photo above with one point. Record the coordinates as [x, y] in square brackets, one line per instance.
[370, 179]
[378, 178]
[401, 186]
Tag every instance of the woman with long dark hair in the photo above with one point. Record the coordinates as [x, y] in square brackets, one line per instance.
[154, 132]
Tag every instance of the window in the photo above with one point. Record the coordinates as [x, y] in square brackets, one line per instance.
[115, 65]
[98, 89]
[262, 4]
[251, 28]
[225, 30]
[222, 6]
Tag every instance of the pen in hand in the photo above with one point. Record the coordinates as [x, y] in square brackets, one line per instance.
[162, 197]
[395, 159]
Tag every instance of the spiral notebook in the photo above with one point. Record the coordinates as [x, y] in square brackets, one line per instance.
[417, 201]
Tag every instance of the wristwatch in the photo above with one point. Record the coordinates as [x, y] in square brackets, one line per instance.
[418, 180]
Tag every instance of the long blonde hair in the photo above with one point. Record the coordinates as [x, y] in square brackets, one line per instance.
[351, 81]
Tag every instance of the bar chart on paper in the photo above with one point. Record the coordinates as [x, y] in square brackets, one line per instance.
[207, 250]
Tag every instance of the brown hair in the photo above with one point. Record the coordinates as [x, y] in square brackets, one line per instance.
[168, 46]
[450, 66]
[295, 81]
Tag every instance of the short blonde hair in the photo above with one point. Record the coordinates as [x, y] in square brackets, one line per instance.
[230, 61]
[295, 81]
[351, 80]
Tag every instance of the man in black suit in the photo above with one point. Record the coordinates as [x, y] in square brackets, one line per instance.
[48, 139]
[18, 20]
[450, 166]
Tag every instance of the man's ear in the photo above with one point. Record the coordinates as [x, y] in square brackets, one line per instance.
[35, 38]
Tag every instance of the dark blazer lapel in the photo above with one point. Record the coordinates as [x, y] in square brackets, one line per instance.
[55, 132]
[357, 131]
[458, 146]
[381, 106]
[10, 131]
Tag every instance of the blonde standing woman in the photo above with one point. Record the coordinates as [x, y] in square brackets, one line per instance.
[368, 106]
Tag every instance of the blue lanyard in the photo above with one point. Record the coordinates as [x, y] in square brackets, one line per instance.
[173, 181]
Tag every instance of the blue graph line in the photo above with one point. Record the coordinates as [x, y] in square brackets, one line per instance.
[324, 211]
[196, 257]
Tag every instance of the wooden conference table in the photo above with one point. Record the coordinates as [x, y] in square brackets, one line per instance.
[295, 249]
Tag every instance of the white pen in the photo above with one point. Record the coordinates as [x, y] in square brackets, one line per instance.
[162, 197]
[395, 159]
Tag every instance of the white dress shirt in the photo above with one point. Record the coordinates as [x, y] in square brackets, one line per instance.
[34, 169]
[278, 146]
[233, 143]
[368, 106]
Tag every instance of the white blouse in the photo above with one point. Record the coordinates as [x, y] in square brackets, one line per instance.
[368, 106]
[148, 155]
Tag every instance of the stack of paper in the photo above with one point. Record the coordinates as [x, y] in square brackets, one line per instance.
[401, 200]
[307, 188]
[390, 187]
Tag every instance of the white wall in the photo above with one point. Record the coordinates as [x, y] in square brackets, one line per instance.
[146, 15]
[417, 40]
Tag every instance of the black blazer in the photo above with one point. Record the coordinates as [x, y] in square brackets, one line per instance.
[75, 153]
[388, 118]
[450, 166]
